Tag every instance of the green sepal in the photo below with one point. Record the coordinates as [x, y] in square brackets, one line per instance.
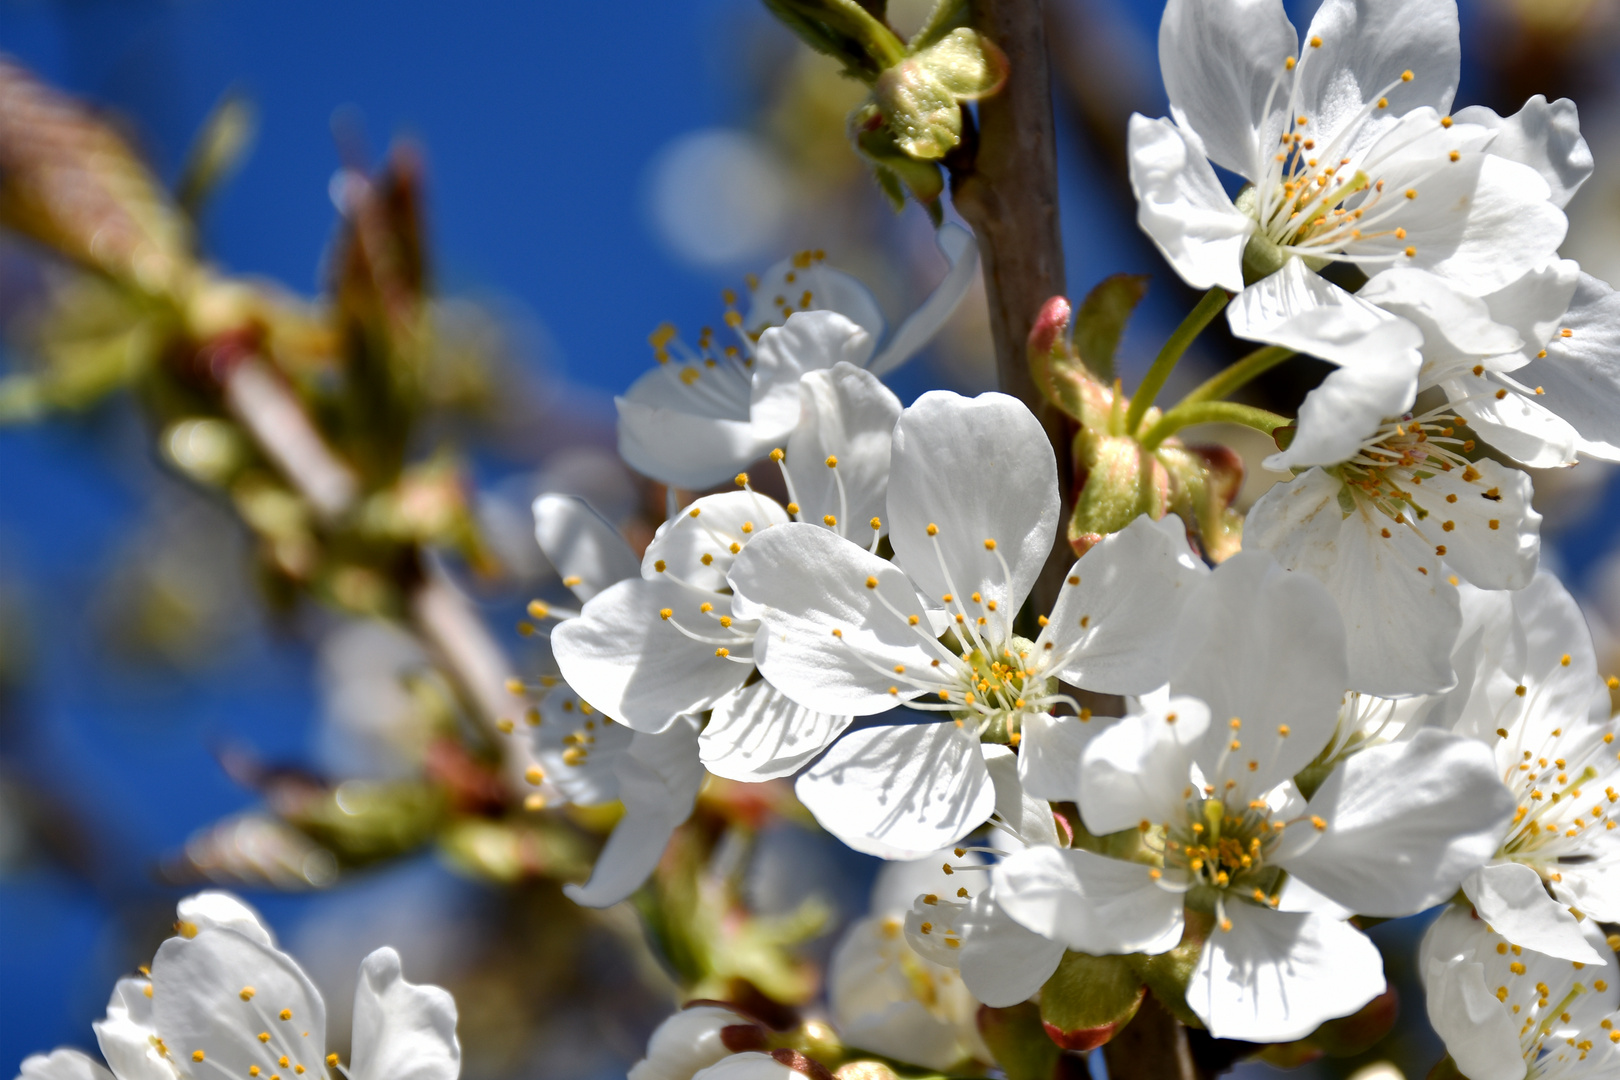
[1089, 999]
[1017, 1040]
[1168, 973]
[1100, 321]
[362, 821]
[1204, 481]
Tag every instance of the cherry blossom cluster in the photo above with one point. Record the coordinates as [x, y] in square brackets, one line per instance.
[1378, 706]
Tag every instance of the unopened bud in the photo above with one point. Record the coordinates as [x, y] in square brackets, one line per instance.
[1089, 999]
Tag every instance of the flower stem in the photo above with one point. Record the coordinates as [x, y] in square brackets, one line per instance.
[1175, 345]
[1187, 414]
[1250, 367]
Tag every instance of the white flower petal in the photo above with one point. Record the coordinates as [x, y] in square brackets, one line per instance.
[402, 1030]
[198, 1003]
[758, 733]
[125, 1035]
[1535, 305]
[1264, 647]
[981, 469]
[1400, 623]
[1516, 424]
[1301, 310]
[585, 772]
[63, 1064]
[899, 882]
[1027, 817]
[1404, 823]
[1543, 135]
[587, 552]
[1275, 976]
[213, 910]
[1594, 887]
[686, 1042]
[1222, 62]
[1049, 754]
[1137, 769]
[625, 660]
[829, 289]
[898, 791]
[1366, 46]
[1581, 373]
[1481, 221]
[1490, 533]
[749, 1065]
[845, 413]
[808, 341]
[886, 998]
[662, 435]
[659, 777]
[1349, 405]
[696, 546]
[802, 583]
[1182, 207]
[1458, 328]
[1478, 1031]
[961, 251]
[1089, 902]
[1512, 900]
[1002, 963]
[1117, 611]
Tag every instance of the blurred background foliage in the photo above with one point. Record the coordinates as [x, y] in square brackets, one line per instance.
[448, 233]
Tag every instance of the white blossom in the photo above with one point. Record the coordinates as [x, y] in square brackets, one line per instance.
[972, 511]
[1351, 156]
[889, 998]
[1392, 531]
[1206, 781]
[705, 412]
[1528, 688]
[222, 1002]
[1511, 1013]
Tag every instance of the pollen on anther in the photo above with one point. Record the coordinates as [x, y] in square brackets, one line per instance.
[1383, 103]
[285, 1014]
[876, 524]
[1456, 156]
[1074, 579]
[777, 454]
[933, 530]
[913, 620]
[1288, 64]
[793, 508]
[1411, 253]
[832, 461]
[829, 520]
[1318, 823]
[1406, 76]
[666, 613]
[197, 1055]
[332, 1060]
[989, 545]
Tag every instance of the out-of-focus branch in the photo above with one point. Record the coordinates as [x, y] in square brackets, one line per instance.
[1007, 190]
[267, 407]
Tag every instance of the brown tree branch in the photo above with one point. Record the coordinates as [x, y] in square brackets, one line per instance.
[1008, 192]
[1153, 1046]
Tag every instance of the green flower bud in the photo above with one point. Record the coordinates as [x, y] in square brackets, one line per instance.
[921, 97]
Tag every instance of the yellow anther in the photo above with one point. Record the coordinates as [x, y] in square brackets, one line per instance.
[871, 582]
[1411, 253]
[666, 613]
[253, 1070]
[1316, 42]
[186, 929]
[933, 530]
[285, 1014]
[1406, 76]
[778, 454]
[1288, 64]
[534, 776]
[1318, 823]
[829, 520]
[832, 461]
[332, 1060]
[1456, 156]
[1411, 193]
[722, 651]
[876, 524]
[695, 511]
[1445, 121]
[741, 479]
[197, 1055]
[1383, 103]
[539, 609]
[913, 620]
[1074, 579]
[264, 1036]
[989, 545]
[246, 993]
[660, 566]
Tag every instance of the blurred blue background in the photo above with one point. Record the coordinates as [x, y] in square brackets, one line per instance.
[553, 137]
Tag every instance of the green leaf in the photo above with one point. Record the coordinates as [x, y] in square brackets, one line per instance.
[1017, 1040]
[946, 16]
[1089, 998]
[921, 96]
[1100, 322]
